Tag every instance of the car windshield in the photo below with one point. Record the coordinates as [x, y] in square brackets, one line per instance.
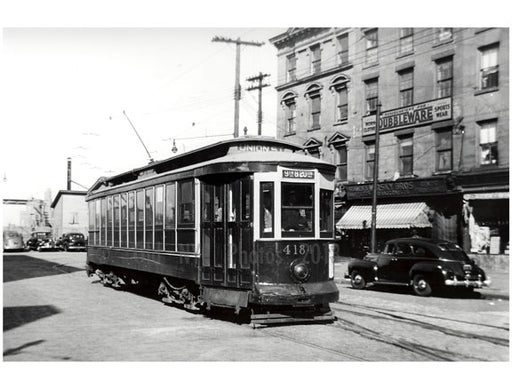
[76, 236]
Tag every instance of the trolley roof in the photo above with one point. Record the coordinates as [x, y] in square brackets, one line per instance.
[232, 151]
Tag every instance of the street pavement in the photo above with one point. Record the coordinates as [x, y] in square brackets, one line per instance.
[53, 312]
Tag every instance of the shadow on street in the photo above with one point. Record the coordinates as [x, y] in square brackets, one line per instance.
[18, 316]
[20, 267]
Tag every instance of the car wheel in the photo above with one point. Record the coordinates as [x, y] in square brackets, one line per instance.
[421, 285]
[357, 280]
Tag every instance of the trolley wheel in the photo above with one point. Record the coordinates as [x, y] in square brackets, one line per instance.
[421, 285]
[357, 280]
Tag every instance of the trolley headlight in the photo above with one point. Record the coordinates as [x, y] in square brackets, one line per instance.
[300, 271]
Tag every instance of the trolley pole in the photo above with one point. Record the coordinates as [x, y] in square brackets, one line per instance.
[260, 86]
[238, 43]
[373, 246]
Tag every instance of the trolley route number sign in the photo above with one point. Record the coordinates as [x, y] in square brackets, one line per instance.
[298, 174]
[414, 115]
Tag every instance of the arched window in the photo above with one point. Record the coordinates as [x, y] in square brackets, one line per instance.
[314, 97]
[339, 88]
[289, 104]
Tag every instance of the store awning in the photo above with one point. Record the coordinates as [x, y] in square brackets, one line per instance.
[400, 215]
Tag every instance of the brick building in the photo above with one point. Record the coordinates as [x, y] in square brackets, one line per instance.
[444, 121]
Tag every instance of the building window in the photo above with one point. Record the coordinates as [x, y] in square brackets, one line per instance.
[406, 43]
[443, 34]
[339, 88]
[405, 151]
[290, 107]
[341, 104]
[316, 59]
[291, 67]
[488, 143]
[370, 161]
[406, 83]
[489, 67]
[444, 150]
[444, 77]
[343, 49]
[371, 95]
[341, 162]
[313, 94]
[314, 152]
[372, 43]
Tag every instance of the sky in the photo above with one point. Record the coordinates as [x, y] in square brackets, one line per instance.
[68, 88]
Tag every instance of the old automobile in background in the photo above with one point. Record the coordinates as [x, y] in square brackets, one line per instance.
[72, 241]
[13, 241]
[424, 264]
[36, 238]
[47, 244]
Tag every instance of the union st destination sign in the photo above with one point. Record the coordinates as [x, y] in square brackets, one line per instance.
[413, 115]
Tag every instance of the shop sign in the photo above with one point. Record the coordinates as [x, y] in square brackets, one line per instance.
[414, 115]
[398, 188]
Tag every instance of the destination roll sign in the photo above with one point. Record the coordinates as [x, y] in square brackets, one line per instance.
[413, 115]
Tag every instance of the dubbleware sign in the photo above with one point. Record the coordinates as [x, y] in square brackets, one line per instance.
[413, 115]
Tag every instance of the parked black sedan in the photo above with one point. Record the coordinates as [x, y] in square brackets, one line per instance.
[72, 241]
[422, 263]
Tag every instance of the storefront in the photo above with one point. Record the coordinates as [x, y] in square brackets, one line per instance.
[428, 207]
[486, 211]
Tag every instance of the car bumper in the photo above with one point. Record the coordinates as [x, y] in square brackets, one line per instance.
[76, 247]
[467, 283]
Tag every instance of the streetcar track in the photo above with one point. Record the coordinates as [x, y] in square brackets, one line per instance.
[312, 345]
[432, 327]
[415, 348]
[381, 310]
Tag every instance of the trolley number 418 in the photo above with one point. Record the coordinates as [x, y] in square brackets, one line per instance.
[295, 249]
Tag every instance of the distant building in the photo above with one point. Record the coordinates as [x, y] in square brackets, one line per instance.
[26, 216]
[70, 213]
[444, 125]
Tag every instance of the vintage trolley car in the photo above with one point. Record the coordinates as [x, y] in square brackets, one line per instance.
[246, 224]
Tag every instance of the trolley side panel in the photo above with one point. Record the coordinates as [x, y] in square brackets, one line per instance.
[184, 267]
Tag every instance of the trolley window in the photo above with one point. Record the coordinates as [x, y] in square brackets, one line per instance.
[326, 214]
[124, 219]
[267, 209]
[297, 210]
[159, 218]
[139, 206]
[149, 219]
[109, 221]
[131, 219]
[170, 218]
[186, 231]
[103, 221]
[116, 220]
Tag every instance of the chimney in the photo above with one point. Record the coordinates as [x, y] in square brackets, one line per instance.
[69, 175]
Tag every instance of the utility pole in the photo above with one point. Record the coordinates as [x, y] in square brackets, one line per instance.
[238, 43]
[375, 180]
[260, 86]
